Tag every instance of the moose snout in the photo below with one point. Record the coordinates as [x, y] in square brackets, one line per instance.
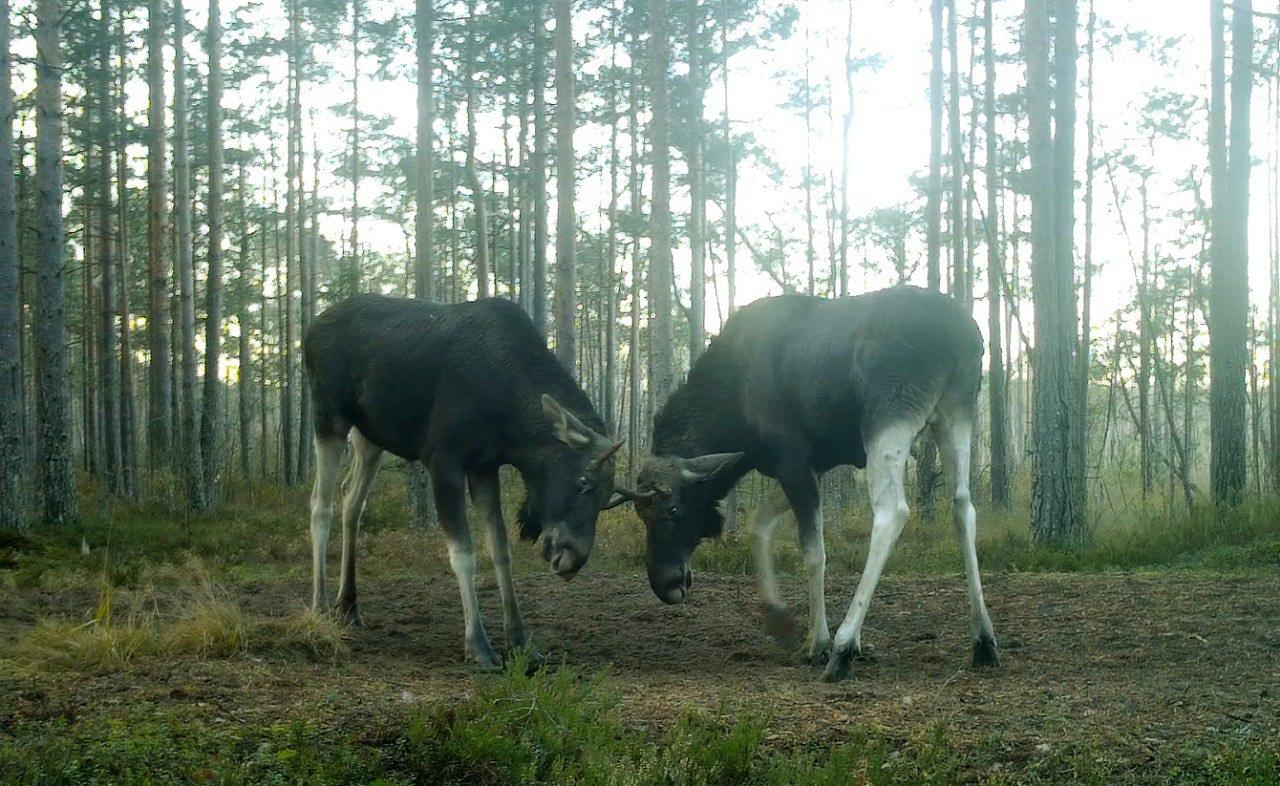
[671, 585]
[565, 555]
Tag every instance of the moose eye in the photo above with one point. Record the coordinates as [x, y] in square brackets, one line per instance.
[584, 485]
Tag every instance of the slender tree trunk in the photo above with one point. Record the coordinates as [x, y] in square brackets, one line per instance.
[421, 502]
[661, 354]
[1001, 491]
[210, 415]
[56, 479]
[108, 364]
[128, 409]
[810, 250]
[610, 349]
[959, 281]
[160, 390]
[540, 130]
[1146, 346]
[12, 459]
[730, 179]
[425, 171]
[1229, 286]
[634, 354]
[191, 461]
[1085, 349]
[479, 205]
[697, 196]
[566, 297]
[244, 288]
[357, 164]
[846, 126]
[927, 469]
[1064, 140]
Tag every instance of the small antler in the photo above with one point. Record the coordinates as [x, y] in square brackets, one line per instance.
[599, 461]
[623, 496]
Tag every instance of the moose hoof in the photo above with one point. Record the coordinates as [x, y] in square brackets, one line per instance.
[781, 624]
[350, 614]
[819, 652]
[483, 656]
[984, 651]
[839, 665]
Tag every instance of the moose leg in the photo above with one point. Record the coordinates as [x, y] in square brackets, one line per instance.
[486, 493]
[329, 450]
[887, 451]
[953, 438]
[778, 620]
[364, 466]
[452, 508]
[802, 493]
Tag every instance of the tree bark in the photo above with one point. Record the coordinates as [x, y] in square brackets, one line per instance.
[425, 172]
[479, 203]
[56, 479]
[927, 469]
[128, 408]
[1001, 491]
[540, 129]
[12, 492]
[1229, 287]
[661, 351]
[566, 296]
[108, 363]
[211, 415]
[191, 459]
[697, 197]
[160, 402]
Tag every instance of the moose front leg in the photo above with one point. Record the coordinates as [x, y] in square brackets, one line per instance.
[802, 492]
[486, 494]
[448, 484]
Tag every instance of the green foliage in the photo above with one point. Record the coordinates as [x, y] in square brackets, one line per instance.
[555, 726]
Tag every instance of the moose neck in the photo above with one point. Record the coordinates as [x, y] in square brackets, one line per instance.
[699, 418]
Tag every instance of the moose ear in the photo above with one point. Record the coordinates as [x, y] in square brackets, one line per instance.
[568, 429]
[702, 468]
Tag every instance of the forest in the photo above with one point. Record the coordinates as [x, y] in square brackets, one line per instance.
[186, 187]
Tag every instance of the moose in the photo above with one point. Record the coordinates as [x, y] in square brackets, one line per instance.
[463, 388]
[793, 386]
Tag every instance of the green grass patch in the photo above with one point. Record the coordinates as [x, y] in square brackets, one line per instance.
[559, 727]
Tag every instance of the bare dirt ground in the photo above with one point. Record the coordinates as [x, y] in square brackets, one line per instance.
[1145, 664]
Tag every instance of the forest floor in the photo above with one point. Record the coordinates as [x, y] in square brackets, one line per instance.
[1153, 676]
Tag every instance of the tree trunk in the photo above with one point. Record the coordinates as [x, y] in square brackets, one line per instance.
[160, 390]
[56, 479]
[927, 469]
[1146, 342]
[1001, 491]
[244, 357]
[697, 197]
[357, 165]
[479, 206]
[191, 459]
[1229, 287]
[421, 502]
[959, 280]
[108, 364]
[211, 416]
[846, 126]
[1064, 140]
[128, 409]
[540, 166]
[566, 297]
[635, 175]
[661, 351]
[12, 493]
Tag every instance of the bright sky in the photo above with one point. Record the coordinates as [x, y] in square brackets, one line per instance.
[889, 142]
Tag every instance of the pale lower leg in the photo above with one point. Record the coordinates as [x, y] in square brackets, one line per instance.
[451, 506]
[364, 468]
[955, 440]
[328, 452]
[886, 465]
[815, 563]
[778, 619]
[488, 498]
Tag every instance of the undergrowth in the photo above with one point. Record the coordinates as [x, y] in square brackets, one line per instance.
[557, 726]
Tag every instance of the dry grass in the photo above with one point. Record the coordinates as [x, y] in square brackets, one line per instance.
[201, 623]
